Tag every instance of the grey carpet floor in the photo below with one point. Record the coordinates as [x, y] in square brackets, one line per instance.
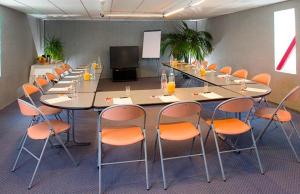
[57, 174]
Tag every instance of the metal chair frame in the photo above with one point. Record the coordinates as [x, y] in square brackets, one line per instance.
[39, 158]
[159, 141]
[235, 149]
[143, 146]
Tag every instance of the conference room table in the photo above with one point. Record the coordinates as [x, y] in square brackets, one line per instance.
[61, 96]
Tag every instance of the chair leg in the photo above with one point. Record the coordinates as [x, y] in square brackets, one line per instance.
[66, 149]
[192, 147]
[155, 148]
[263, 131]
[219, 156]
[38, 164]
[207, 135]
[289, 141]
[141, 150]
[146, 162]
[20, 151]
[100, 160]
[257, 154]
[204, 159]
[162, 163]
[295, 129]
[23, 137]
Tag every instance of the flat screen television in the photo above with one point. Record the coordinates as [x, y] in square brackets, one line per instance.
[124, 56]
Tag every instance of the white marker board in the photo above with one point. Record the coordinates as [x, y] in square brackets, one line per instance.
[151, 44]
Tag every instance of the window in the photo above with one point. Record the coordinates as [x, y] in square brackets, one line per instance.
[285, 41]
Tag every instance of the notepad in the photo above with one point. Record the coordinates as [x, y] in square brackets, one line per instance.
[256, 90]
[72, 76]
[66, 73]
[241, 81]
[58, 99]
[77, 72]
[64, 89]
[210, 71]
[211, 95]
[120, 101]
[65, 82]
[168, 98]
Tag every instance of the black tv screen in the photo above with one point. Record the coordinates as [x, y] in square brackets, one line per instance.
[124, 56]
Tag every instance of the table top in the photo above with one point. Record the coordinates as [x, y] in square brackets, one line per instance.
[152, 97]
[81, 101]
[253, 90]
[211, 77]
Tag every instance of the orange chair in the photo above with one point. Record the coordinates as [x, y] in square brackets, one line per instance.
[179, 130]
[41, 83]
[51, 77]
[242, 73]
[226, 70]
[41, 131]
[59, 71]
[233, 126]
[263, 78]
[122, 136]
[281, 115]
[204, 64]
[212, 67]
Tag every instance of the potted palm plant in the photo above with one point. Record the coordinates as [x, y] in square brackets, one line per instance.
[54, 48]
[187, 44]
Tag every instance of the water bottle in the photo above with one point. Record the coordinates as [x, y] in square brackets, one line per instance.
[171, 83]
[163, 82]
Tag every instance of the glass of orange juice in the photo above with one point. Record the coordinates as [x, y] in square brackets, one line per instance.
[171, 88]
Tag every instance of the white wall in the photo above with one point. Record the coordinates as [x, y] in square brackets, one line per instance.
[18, 53]
[246, 40]
[84, 41]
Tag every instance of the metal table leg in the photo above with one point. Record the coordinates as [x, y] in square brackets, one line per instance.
[75, 142]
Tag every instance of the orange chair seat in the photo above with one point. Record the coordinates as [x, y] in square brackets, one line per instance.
[230, 126]
[122, 135]
[178, 131]
[41, 130]
[267, 113]
[47, 110]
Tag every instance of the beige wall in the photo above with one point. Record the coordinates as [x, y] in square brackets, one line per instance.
[246, 40]
[18, 53]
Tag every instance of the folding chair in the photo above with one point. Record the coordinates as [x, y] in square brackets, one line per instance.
[41, 131]
[226, 70]
[281, 115]
[179, 131]
[233, 126]
[122, 136]
[242, 73]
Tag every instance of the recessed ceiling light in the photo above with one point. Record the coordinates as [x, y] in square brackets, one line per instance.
[134, 15]
[173, 12]
[197, 3]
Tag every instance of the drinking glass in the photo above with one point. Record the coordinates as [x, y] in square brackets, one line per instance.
[243, 85]
[205, 89]
[127, 91]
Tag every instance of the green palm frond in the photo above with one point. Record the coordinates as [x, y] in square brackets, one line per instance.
[54, 48]
[187, 43]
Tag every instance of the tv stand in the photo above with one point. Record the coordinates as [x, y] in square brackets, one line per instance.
[124, 74]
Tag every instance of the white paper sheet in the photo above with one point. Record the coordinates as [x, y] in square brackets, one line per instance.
[211, 95]
[120, 101]
[256, 90]
[58, 99]
[72, 76]
[66, 73]
[168, 98]
[241, 80]
[64, 89]
[223, 76]
[65, 82]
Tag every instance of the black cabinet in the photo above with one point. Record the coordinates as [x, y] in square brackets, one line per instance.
[124, 74]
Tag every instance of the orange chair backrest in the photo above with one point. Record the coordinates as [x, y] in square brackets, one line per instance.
[204, 64]
[242, 73]
[51, 76]
[59, 71]
[212, 67]
[30, 89]
[181, 109]
[123, 112]
[226, 70]
[41, 82]
[263, 78]
[26, 109]
[236, 105]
